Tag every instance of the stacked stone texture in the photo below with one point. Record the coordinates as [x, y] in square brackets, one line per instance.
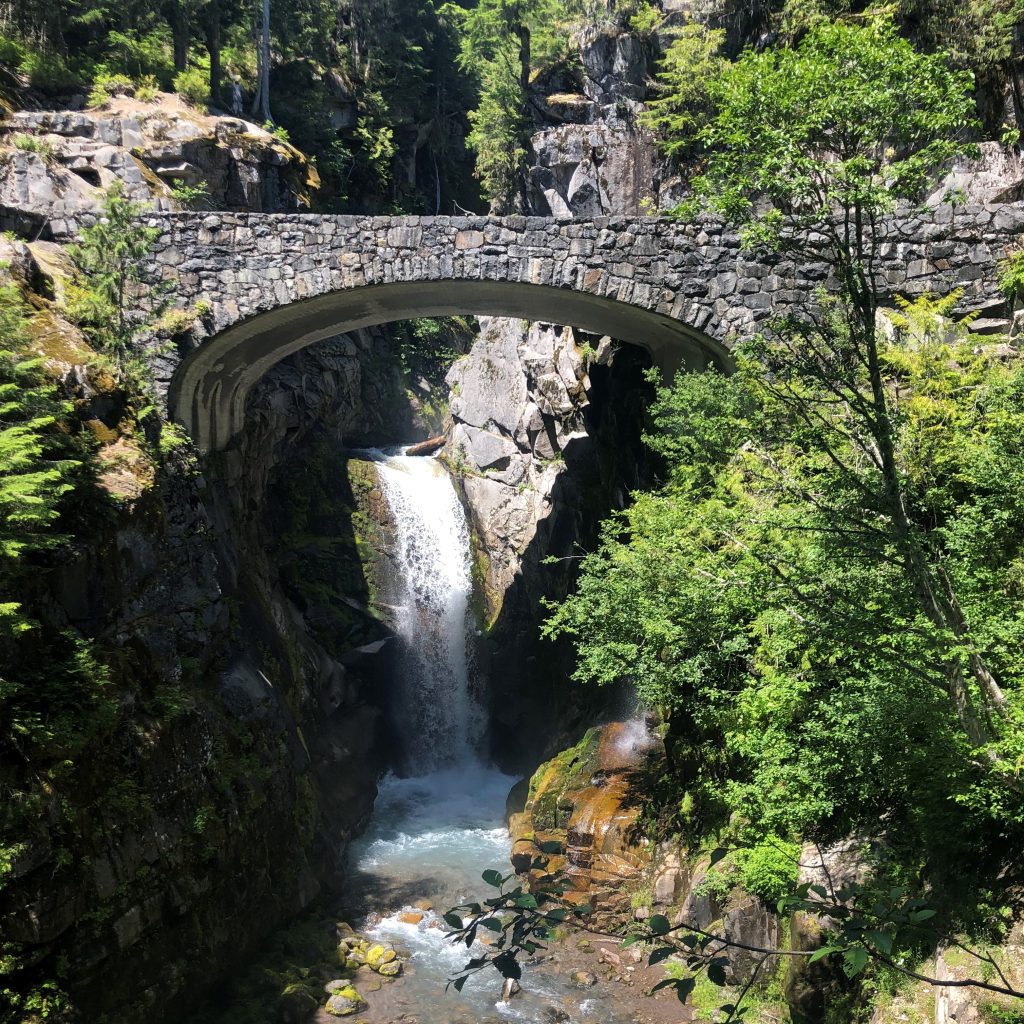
[246, 264]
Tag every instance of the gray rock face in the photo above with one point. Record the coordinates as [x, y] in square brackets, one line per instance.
[148, 150]
[509, 471]
[595, 160]
[615, 66]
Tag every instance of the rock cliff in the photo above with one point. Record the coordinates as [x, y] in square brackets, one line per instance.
[163, 153]
[239, 749]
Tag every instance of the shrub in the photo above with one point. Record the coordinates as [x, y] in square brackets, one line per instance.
[193, 86]
[106, 86]
[12, 53]
[147, 89]
[192, 197]
[31, 144]
[175, 322]
[142, 54]
[1011, 274]
[769, 870]
[48, 71]
[646, 20]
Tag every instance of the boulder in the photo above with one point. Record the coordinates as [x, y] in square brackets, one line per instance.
[297, 1005]
[58, 189]
[345, 1002]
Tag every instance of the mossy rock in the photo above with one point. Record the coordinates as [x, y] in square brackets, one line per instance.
[345, 1002]
[298, 1003]
[569, 770]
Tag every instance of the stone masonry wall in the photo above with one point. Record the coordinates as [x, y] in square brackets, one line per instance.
[247, 264]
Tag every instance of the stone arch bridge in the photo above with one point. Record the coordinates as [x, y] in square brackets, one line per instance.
[685, 292]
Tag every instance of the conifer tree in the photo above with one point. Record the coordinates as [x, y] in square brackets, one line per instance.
[34, 474]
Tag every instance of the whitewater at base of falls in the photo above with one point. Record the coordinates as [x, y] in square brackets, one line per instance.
[431, 838]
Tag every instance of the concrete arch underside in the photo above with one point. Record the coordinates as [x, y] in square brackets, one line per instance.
[209, 390]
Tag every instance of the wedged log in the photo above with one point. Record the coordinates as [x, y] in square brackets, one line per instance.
[427, 447]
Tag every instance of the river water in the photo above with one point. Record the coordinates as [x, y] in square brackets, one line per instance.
[439, 825]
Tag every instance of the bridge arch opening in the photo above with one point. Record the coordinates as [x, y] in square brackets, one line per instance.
[209, 390]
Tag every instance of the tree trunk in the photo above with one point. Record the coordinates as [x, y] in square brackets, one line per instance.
[181, 34]
[525, 57]
[261, 101]
[213, 46]
[927, 577]
[265, 51]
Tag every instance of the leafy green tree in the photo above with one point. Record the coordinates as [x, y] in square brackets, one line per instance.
[810, 150]
[503, 42]
[681, 106]
[761, 598]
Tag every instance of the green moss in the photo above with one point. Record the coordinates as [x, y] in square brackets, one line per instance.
[568, 770]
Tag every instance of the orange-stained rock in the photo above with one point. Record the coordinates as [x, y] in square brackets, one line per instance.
[411, 917]
[523, 852]
[586, 800]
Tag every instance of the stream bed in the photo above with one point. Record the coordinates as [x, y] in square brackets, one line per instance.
[429, 840]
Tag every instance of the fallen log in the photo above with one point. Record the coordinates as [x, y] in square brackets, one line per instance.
[427, 447]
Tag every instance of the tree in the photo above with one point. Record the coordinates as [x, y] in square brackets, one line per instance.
[822, 598]
[261, 101]
[810, 150]
[681, 106]
[108, 258]
[35, 474]
[503, 41]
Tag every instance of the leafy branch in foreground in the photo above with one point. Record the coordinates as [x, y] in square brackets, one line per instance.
[861, 923]
[35, 467]
[522, 922]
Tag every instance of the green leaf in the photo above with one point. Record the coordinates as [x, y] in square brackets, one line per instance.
[854, 961]
[659, 924]
[881, 940]
[659, 954]
[492, 877]
[684, 988]
[453, 920]
[716, 974]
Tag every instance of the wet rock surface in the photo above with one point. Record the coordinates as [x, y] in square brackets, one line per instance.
[581, 814]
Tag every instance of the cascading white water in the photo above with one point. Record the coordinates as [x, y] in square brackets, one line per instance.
[435, 830]
[438, 717]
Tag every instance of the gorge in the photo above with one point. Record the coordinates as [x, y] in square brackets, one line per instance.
[695, 622]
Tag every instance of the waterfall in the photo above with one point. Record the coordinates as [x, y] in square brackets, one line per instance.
[439, 719]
